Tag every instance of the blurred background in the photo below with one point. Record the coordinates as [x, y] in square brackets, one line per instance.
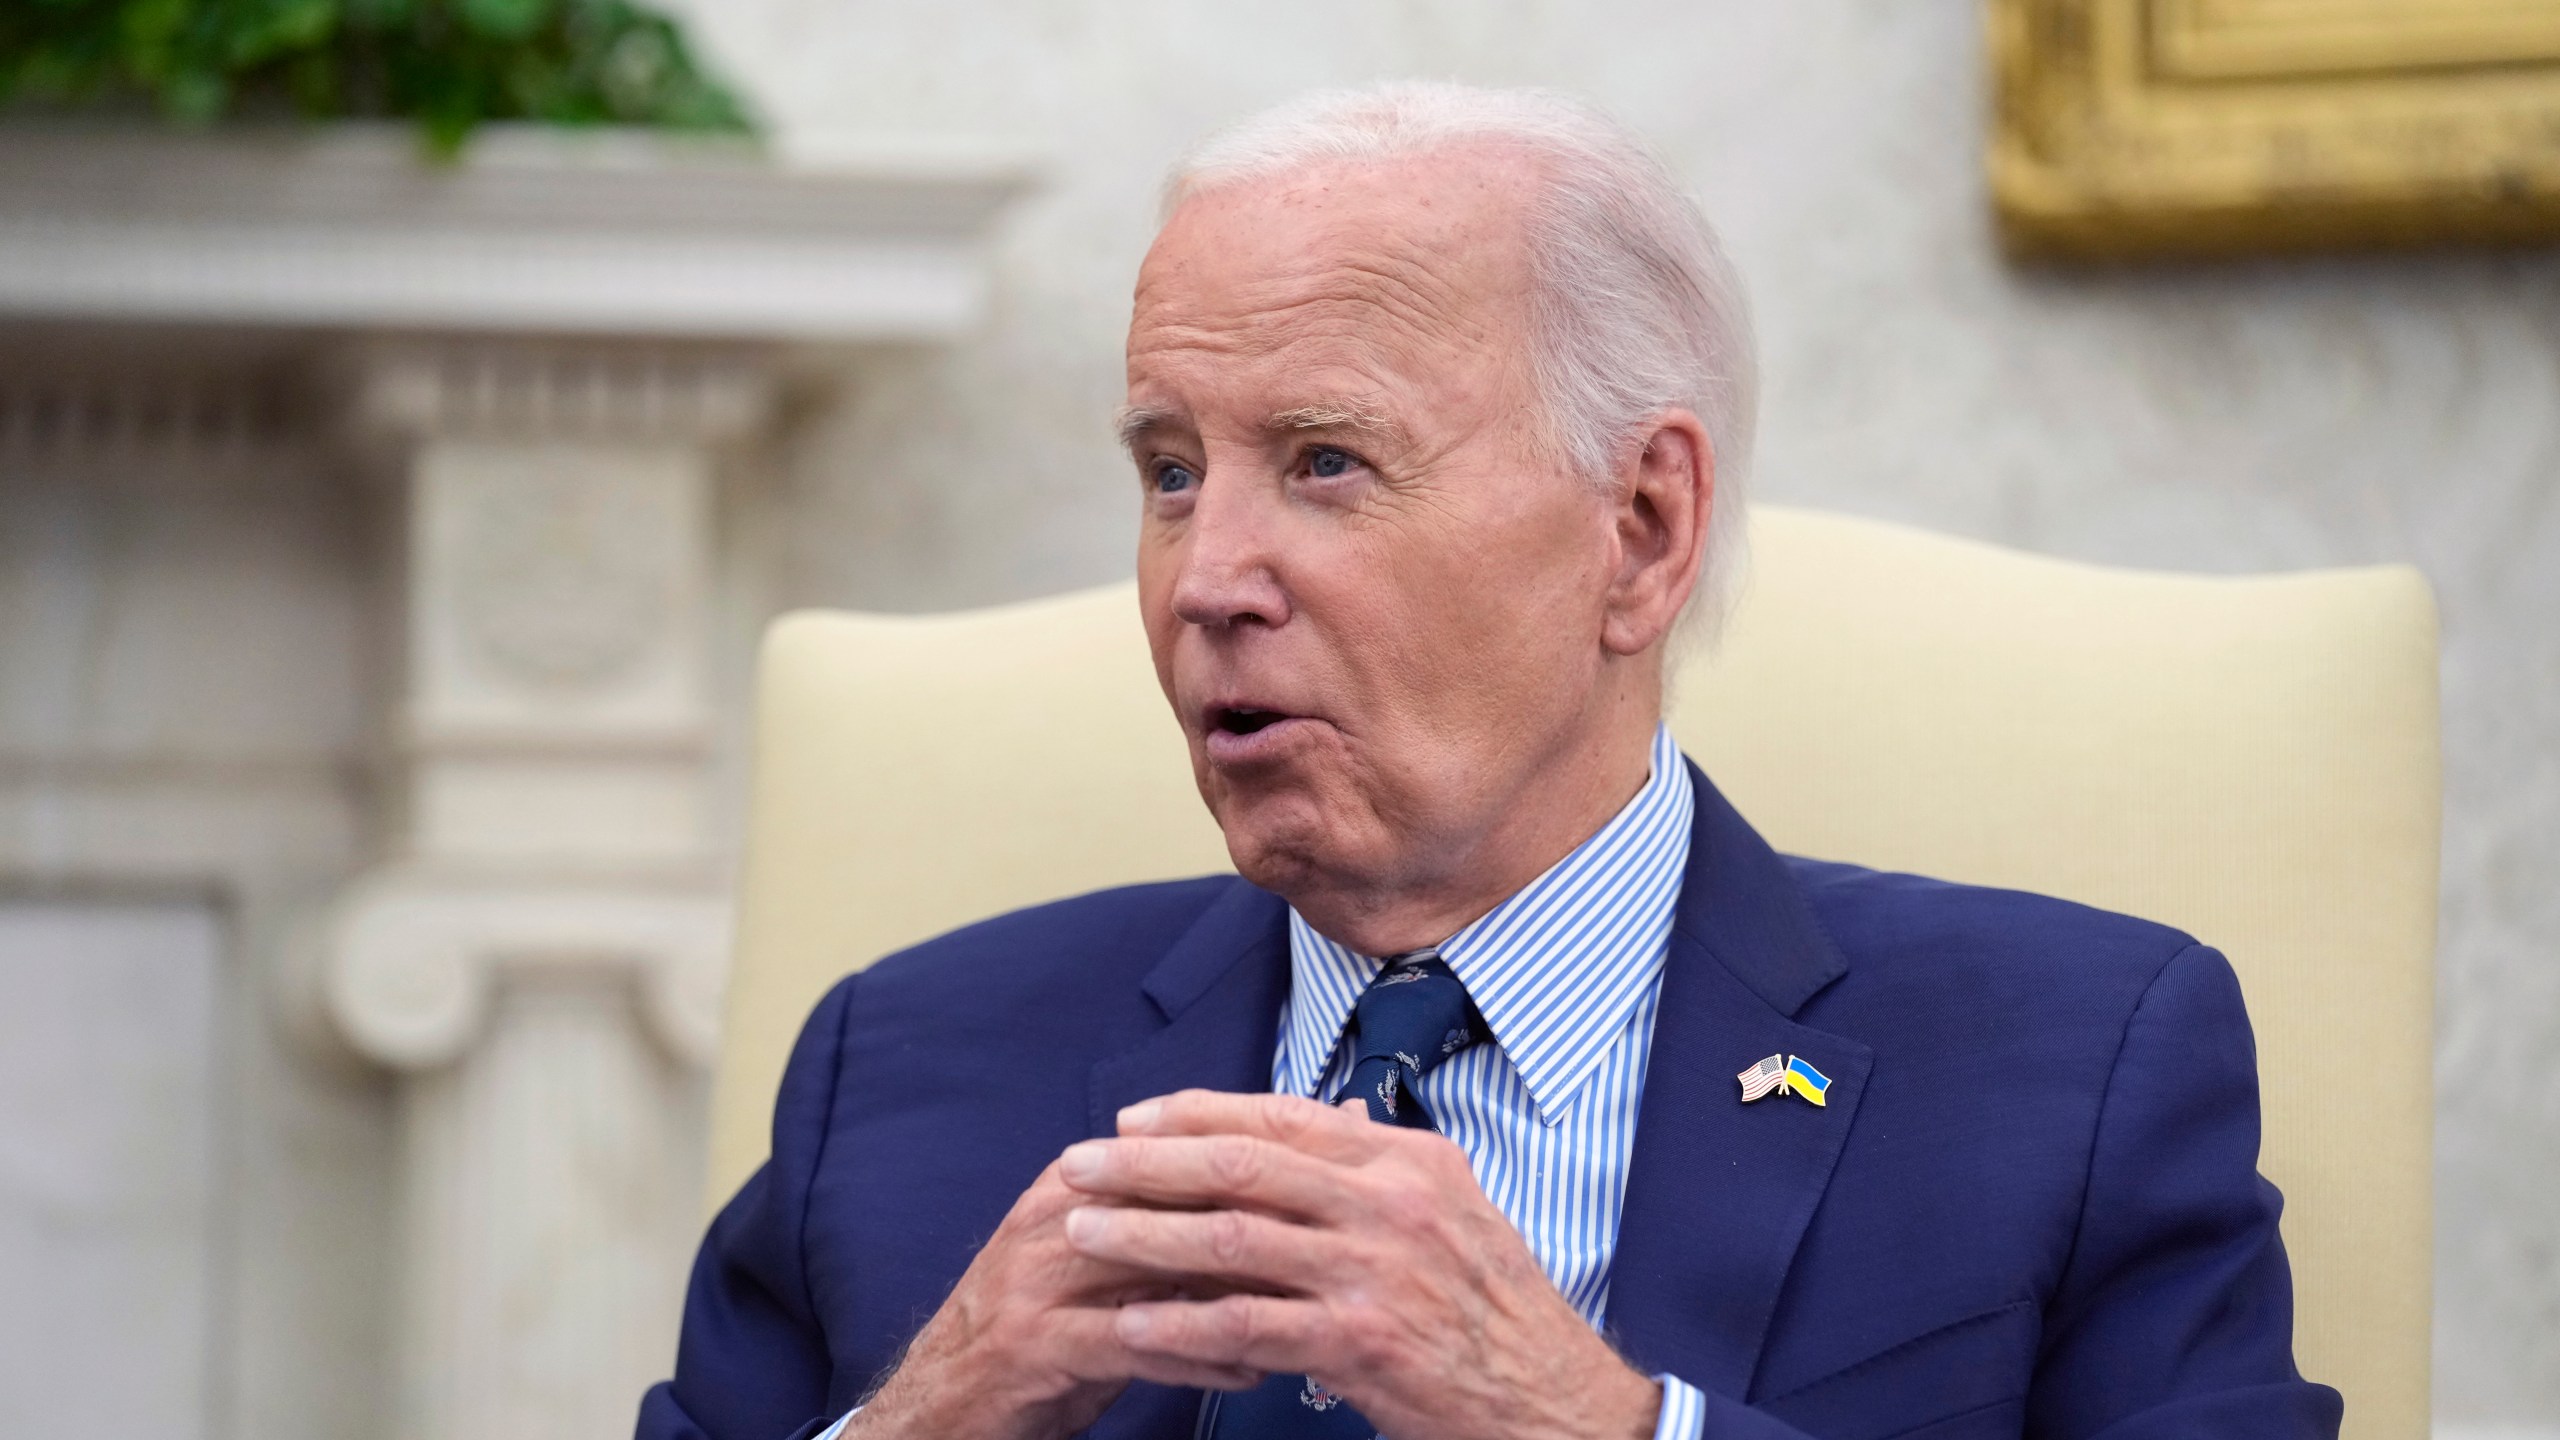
[384, 537]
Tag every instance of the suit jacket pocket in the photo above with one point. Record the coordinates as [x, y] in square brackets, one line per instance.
[1972, 1364]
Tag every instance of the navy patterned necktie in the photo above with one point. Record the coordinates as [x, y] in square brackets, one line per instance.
[1412, 1017]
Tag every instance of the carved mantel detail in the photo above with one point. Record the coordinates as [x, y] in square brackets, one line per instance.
[418, 963]
[549, 876]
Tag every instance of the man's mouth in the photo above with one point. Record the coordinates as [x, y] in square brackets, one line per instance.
[1242, 721]
[1250, 734]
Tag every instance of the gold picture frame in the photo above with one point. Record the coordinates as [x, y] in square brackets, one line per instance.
[2130, 128]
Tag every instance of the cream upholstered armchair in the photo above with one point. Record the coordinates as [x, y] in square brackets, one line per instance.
[2252, 760]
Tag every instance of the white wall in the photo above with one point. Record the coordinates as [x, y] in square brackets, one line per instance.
[2237, 417]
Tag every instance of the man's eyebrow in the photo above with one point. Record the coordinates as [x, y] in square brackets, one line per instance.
[1347, 415]
[1136, 422]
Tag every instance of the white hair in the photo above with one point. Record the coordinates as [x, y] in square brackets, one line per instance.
[1636, 310]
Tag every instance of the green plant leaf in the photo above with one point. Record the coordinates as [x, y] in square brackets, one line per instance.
[448, 65]
[282, 28]
[195, 97]
[506, 19]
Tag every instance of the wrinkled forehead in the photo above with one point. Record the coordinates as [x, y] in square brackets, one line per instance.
[1424, 259]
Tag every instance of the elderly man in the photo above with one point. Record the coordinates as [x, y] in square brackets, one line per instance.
[1516, 1088]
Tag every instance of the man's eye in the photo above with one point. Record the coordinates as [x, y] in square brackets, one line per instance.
[1324, 462]
[1172, 478]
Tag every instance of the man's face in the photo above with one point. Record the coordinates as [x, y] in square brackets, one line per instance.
[1373, 600]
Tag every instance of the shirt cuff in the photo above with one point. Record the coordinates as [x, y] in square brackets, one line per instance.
[1684, 1411]
[832, 1431]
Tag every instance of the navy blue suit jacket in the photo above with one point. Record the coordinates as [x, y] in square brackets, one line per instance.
[2031, 1206]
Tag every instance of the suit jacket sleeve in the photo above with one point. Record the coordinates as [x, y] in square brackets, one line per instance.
[752, 1361]
[2174, 1314]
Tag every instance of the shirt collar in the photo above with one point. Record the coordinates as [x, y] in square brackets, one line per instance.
[1556, 969]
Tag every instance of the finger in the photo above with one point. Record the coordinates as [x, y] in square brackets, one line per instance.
[1087, 1345]
[1226, 1171]
[1323, 1131]
[1242, 1332]
[1059, 1274]
[1232, 1245]
[1184, 1373]
[1043, 1201]
[1050, 1198]
[1030, 1255]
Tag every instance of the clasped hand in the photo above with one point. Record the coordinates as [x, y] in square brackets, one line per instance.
[1220, 1238]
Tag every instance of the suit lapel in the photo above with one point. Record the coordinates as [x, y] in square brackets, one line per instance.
[1719, 1192]
[1219, 989]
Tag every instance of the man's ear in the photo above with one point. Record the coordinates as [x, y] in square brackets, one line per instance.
[1665, 490]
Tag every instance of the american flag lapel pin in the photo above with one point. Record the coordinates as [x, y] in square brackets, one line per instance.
[1763, 1079]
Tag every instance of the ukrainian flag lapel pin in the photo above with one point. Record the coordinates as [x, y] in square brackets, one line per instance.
[1784, 1072]
[1806, 1081]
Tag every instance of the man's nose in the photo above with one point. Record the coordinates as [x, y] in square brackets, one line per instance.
[1228, 574]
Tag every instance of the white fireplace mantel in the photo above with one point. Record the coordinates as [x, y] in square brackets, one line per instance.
[559, 339]
[606, 233]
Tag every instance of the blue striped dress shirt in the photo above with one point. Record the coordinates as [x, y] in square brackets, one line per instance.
[1567, 973]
